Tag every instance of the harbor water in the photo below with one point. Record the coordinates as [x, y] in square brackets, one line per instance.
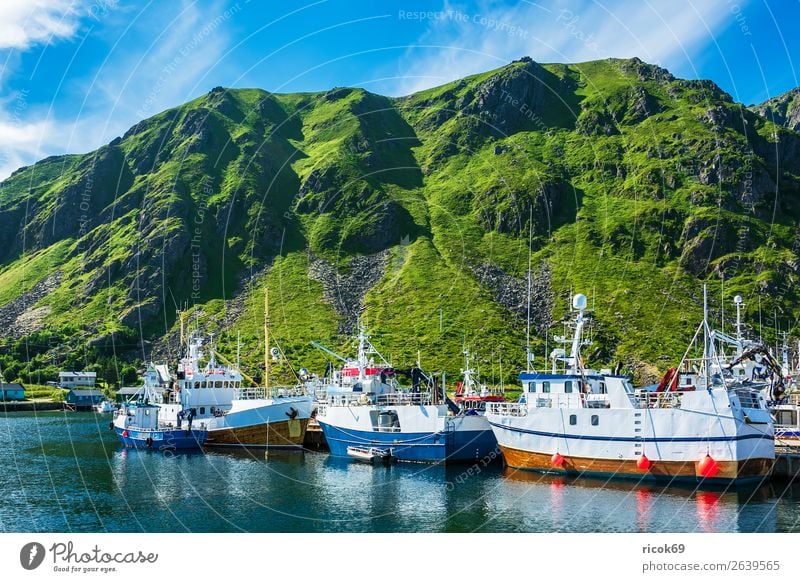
[66, 472]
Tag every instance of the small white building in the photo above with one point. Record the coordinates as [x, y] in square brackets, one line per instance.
[76, 379]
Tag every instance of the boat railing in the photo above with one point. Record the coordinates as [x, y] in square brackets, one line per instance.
[250, 393]
[260, 393]
[394, 398]
[648, 399]
[417, 398]
[507, 408]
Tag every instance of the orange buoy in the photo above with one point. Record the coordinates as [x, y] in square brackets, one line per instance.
[708, 467]
[643, 463]
[557, 460]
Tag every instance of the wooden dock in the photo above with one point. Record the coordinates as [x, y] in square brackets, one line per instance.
[787, 464]
[30, 406]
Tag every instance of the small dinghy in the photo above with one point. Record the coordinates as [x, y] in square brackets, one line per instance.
[371, 454]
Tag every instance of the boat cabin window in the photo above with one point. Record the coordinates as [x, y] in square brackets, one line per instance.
[202, 384]
[573, 419]
[219, 383]
[628, 387]
[531, 386]
[568, 387]
[546, 387]
[595, 420]
[202, 410]
[197, 384]
[786, 417]
[603, 389]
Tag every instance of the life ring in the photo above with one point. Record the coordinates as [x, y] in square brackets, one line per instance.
[149, 442]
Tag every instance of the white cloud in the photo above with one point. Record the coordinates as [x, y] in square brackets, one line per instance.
[27, 22]
[185, 43]
[464, 41]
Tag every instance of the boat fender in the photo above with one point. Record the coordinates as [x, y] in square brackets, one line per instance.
[149, 442]
[292, 413]
[111, 425]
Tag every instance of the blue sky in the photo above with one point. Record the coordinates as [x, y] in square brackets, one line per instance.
[75, 74]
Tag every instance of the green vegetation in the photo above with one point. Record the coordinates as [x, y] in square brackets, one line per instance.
[633, 186]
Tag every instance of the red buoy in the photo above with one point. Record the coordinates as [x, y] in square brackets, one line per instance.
[557, 460]
[708, 467]
[643, 463]
[124, 433]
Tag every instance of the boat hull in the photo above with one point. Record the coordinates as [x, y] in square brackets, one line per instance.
[159, 440]
[675, 443]
[424, 447]
[741, 471]
[284, 434]
[279, 424]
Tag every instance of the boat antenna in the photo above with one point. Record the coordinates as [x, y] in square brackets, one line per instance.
[266, 340]
[722, 316]
[739, 304]
[528, 315]
[706, 354]
[238, 348]
[179, 313]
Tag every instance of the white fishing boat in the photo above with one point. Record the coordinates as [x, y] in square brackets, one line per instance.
[234, 415]
[584, 422]
[471, 395]
[140, 422]
[365, 407]
[104, 407]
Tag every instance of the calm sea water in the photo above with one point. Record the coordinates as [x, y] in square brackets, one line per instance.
[66, 472]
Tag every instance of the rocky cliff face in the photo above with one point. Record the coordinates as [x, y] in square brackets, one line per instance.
[783, 110]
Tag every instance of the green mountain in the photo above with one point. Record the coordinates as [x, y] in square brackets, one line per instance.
[416, 213]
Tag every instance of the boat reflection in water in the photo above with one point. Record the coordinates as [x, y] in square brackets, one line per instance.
[596, 504]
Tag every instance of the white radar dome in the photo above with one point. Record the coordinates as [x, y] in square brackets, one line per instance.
[579, 302]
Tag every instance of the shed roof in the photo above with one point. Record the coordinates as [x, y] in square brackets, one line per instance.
[87, 392]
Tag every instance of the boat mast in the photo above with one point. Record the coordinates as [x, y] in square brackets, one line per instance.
[266, 341]
[706, 354]
[180, 316]
[579, 303]
[528, 316]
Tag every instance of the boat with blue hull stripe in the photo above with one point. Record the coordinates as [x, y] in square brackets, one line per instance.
[642, 439]
[170, 439]
[458, 446]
